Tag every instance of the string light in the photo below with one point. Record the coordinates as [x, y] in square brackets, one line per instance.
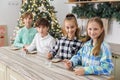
[41, 8]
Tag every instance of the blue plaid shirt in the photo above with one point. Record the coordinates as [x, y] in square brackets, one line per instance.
[101, 64]
[66, 48]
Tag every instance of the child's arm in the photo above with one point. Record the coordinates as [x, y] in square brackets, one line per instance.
[105, 66]
[49, 56]
[79, 71]
[68, 64]
[52, 43]
[55, 48]
[32, 46]
[17, 42]
[76, 59]
[24, 49]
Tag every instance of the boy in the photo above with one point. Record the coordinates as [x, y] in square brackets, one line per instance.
[26, 34]
[42, 41]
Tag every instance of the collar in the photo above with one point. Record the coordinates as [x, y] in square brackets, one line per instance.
[45, 37]
[27, 28]
[89, 43]
[75, 38]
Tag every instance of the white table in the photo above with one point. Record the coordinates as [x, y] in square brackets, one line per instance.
[34, 67]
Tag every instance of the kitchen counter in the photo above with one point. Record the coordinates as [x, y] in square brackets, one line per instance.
[37, 67]
[115, 48]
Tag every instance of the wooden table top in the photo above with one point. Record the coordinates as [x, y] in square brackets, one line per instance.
[37, 67]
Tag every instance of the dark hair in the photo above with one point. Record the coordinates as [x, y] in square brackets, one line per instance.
[26, 14]
[70, 17]
[43, 22]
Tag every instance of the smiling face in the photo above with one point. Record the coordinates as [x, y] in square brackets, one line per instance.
[94, 30]
[43, 30]
[70, 28]
[28, 21]
[42, 26]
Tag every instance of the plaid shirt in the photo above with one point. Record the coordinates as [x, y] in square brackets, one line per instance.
[101, 64]
[66, 48]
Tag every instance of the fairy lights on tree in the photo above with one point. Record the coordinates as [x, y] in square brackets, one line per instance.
[41, 8]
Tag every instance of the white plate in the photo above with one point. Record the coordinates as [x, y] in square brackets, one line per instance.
[14, 48]
[55, 60]
[32, 52]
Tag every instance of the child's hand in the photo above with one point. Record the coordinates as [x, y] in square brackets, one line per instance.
[24, 49]
[25, 46]
[79, 71]
[49, 56]
[68, 64]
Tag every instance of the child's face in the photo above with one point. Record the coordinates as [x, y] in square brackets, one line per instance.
[94, 30]
[28, 21]
[43, 30]
[70, 28]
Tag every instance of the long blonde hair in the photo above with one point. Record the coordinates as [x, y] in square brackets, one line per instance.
[71, 17]
[97, 47]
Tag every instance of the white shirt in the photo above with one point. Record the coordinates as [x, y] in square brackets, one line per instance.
[42, 44]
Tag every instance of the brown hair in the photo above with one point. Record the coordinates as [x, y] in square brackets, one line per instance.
[26, 14]
[42, 21]
[96, 49]
[71, 17]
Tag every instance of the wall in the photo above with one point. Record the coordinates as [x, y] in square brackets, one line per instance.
[63, 9]
[9, 13]
[113, 32]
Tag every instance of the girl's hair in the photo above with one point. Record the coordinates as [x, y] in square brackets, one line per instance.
[96, 49]
[26, 14]
[70, 17]
[42, 21]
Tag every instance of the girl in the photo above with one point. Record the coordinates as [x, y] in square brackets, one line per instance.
[95, 55]
[26, 34]
[69, 44]
[42, 41]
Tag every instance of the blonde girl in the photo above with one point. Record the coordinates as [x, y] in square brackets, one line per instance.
[69, 44]
[95, 55]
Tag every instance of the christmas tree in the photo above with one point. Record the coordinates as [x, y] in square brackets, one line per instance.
[41, 8]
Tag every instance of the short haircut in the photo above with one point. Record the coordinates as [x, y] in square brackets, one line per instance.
[26, 14]
[43, 22]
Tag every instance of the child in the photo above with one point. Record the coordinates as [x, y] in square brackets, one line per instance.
[42, 41]
[68, 45]
[26, 34]
[94, 56]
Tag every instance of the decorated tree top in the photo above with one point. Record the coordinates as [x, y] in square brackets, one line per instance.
[41, 8]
